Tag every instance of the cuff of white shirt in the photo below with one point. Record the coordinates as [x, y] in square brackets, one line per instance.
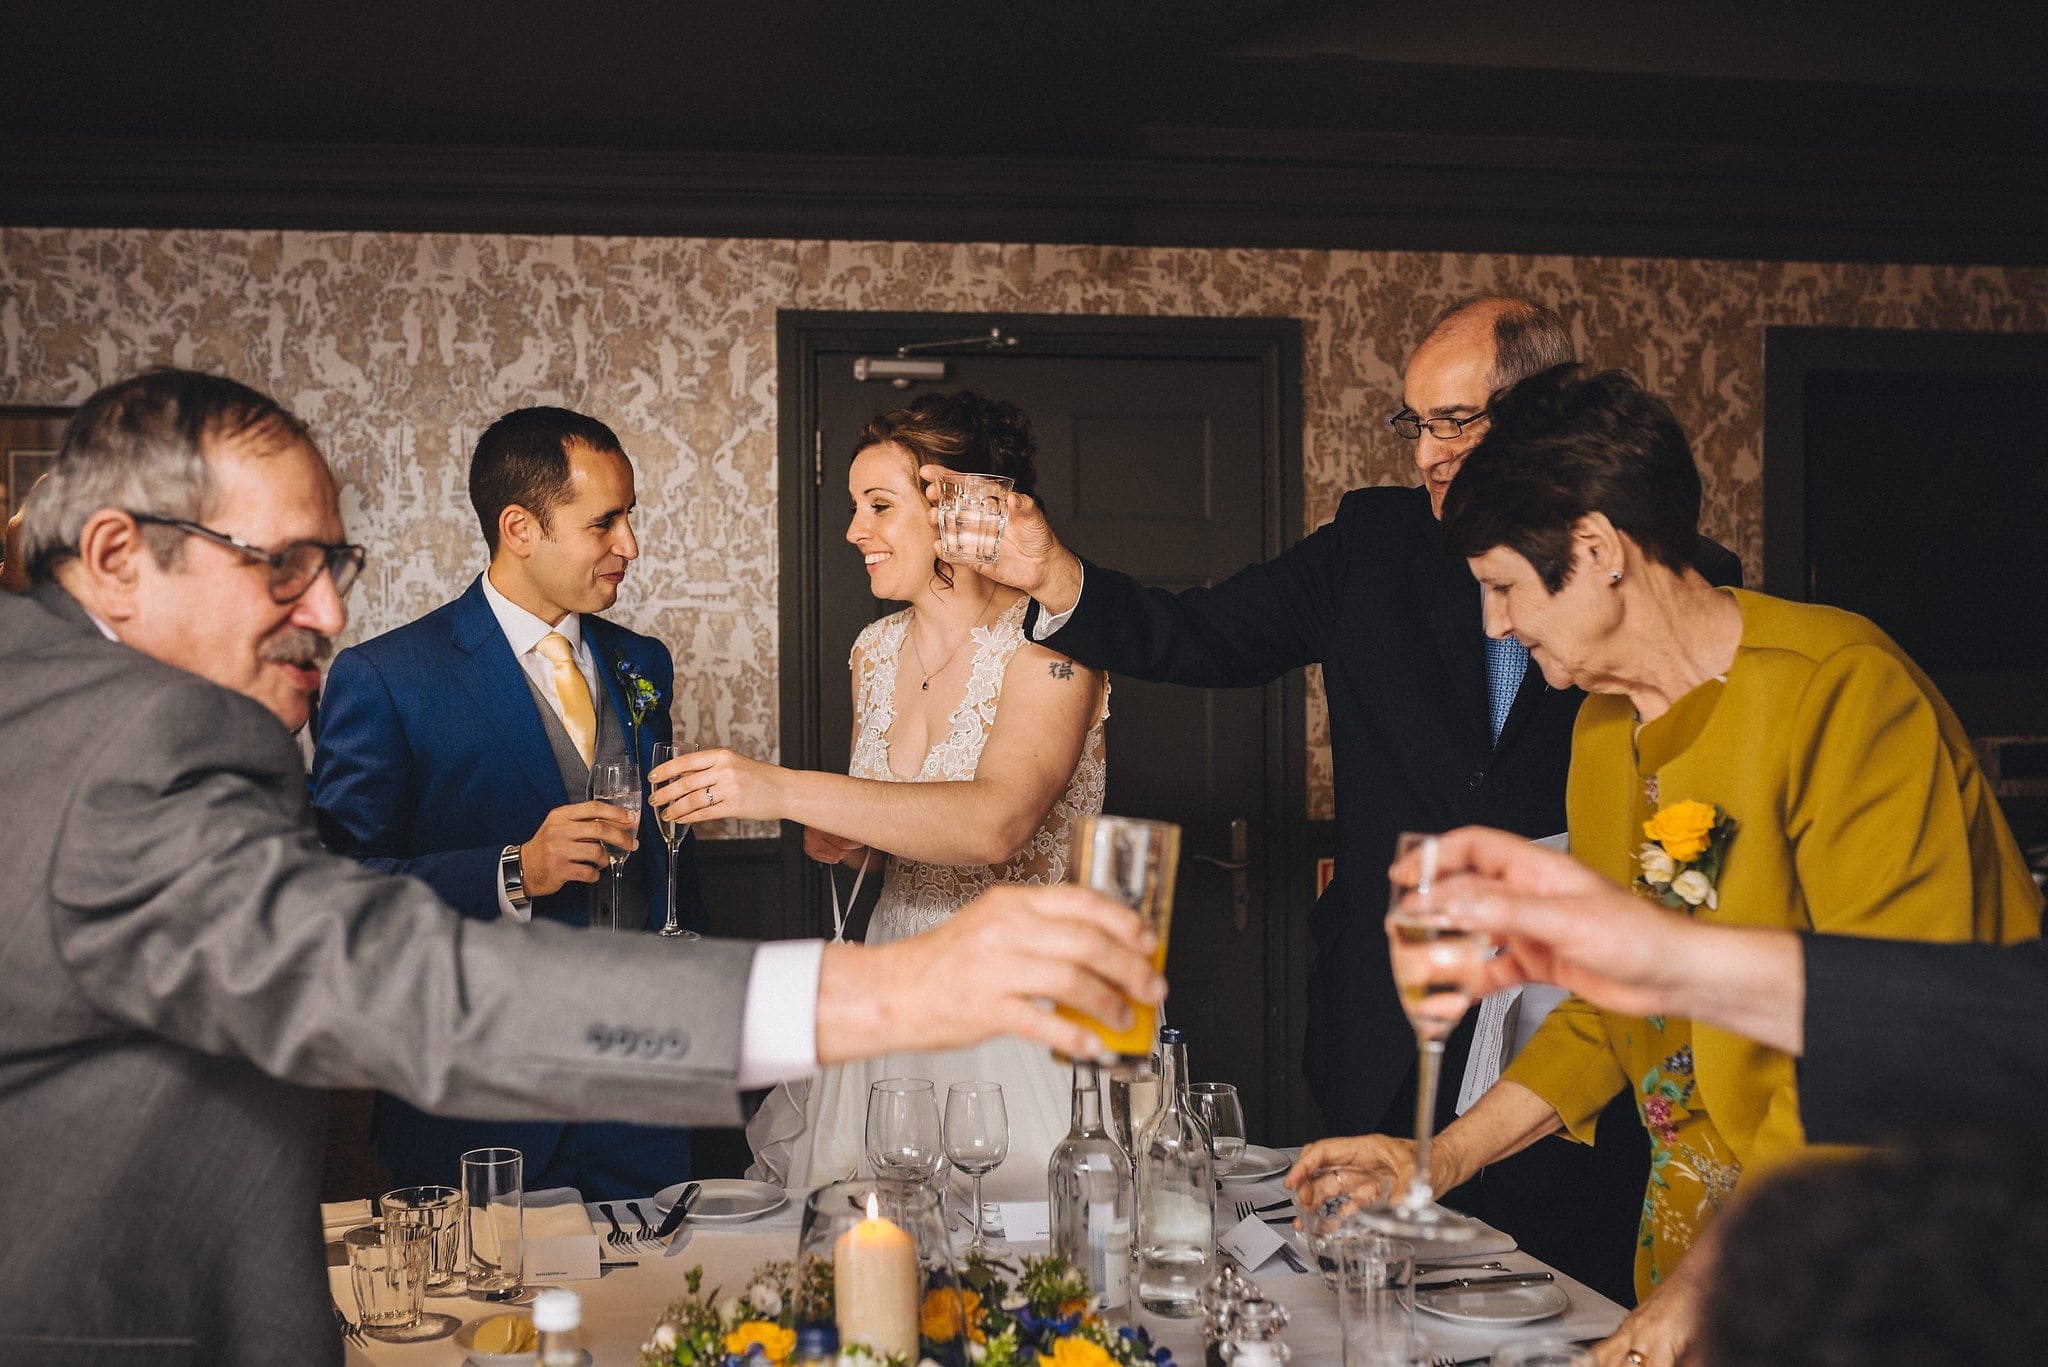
[1049, 622]
[779, 1025]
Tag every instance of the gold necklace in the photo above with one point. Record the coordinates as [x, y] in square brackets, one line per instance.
[910, 631]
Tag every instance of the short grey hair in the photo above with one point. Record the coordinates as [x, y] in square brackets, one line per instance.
[1527, 337]
[140, 445]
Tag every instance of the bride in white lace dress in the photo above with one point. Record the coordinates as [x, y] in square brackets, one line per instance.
[974, 753]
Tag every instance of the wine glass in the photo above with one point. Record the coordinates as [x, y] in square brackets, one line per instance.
[1435, 966]
[903, 1130]
[977, 1141]
[672, 836]
[619, 784]
[1217, 1106]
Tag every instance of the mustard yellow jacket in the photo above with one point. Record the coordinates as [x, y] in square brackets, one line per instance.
[1862, 812]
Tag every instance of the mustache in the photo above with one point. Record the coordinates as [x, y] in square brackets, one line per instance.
[296, 646]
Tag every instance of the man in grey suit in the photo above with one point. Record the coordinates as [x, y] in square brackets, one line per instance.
[185, 963]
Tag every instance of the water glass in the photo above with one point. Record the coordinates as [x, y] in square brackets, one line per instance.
[1375, 1298]
[387, 1265]
[973, 511]
[1542, 1353]
[438, 1212]
[1328, 1206]
[903, 1135]
[494, 1198]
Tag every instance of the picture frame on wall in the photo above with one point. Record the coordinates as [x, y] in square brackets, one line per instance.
[29, 438]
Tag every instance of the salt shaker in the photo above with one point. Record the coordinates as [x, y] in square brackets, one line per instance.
[1255, 1334]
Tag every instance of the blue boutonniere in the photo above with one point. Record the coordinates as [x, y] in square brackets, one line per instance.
[642, 696]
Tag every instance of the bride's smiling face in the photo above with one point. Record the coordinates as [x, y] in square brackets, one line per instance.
[891, 527]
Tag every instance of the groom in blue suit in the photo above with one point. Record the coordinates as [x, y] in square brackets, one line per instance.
[458, 749]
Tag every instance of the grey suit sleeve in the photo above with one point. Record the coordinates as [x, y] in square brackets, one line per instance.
[191, 900]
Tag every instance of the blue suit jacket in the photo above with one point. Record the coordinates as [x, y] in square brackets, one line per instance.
[430, 758]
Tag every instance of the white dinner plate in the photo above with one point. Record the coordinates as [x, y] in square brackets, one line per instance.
[1495, 1304]
[1256, 1163]
[725, 1200]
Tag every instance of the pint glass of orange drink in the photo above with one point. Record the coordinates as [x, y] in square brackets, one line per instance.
[1132, 861]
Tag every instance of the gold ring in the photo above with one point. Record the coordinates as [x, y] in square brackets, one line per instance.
[1634, 1355]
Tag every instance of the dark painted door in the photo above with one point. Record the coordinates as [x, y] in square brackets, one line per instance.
[1161, 466]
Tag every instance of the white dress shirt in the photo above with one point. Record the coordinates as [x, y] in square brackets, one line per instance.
[1049, 622]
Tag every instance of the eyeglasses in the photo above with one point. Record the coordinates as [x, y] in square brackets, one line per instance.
[1408, 426]
[292, 570]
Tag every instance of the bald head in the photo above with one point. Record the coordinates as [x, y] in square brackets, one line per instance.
[1475, 347]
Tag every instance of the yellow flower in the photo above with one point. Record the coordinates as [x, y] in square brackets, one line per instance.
[949, 1313]
[775, 1341]
[1076, 1352]
[1682, 829]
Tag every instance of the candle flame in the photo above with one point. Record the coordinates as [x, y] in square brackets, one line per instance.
[874, 1207]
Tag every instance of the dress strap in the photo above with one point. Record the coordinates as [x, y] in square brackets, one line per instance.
[852, 898]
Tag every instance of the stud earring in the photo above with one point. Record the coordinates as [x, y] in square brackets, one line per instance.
[1614, 578]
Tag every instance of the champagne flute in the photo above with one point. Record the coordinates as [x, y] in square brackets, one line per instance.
[903, 1130]
[977, 1141]
[672, 836]
[1435, 966]
[1222, 1114]
[619, 784]
[1133, 1097]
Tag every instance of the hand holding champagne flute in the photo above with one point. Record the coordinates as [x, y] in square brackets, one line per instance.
[1436, 964]
[672, 832]
[618, 784]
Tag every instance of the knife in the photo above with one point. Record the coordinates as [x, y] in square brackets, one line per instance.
[678, 1212]
[1474, 1283]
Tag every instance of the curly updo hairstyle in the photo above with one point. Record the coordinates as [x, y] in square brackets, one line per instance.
[964, 432]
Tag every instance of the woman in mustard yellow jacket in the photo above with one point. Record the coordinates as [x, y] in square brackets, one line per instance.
[1754, 761]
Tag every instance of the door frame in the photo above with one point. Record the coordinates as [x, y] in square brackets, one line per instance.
[1276, 345]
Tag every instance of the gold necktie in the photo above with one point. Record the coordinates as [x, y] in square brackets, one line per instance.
[573, 692]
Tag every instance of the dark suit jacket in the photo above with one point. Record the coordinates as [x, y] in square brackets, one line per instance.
[431, 755]
[185, 964]
[1394, 620]
[1907, 1038]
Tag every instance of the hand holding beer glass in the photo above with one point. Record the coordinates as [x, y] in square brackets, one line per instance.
[1134, 862]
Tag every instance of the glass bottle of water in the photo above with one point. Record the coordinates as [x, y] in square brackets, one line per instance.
[1176, 1197]
[1089, 1184]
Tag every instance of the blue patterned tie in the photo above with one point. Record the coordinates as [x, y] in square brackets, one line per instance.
[1507, 660]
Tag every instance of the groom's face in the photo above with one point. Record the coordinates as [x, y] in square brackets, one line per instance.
[580, 559]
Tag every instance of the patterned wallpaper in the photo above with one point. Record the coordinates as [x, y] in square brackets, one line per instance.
[398, 347]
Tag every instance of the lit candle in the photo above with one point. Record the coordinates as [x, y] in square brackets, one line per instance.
[874, 1286]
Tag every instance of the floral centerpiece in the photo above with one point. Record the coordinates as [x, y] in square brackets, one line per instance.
[1681, 861]
[1034, 1314]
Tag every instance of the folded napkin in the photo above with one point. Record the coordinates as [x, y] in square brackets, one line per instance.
[337, 1217]
[561, 1243]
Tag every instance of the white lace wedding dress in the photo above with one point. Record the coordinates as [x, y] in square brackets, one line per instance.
[806, 1134]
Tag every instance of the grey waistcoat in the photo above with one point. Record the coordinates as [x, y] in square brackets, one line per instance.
[611, 748]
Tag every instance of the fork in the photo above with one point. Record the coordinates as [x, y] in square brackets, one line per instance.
[1247, 1209]
[645, 1234]
[350, 1330]
[618, 1238]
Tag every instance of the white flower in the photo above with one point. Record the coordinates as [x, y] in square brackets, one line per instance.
[765, 1299]
[665, 1338]
[976, 1351]
[1693, 886]
[729, 1311]
[1658, 867]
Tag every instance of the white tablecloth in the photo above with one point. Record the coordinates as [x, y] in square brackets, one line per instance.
[620, 1308]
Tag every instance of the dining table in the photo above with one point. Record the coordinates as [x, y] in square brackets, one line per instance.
[623, 1304]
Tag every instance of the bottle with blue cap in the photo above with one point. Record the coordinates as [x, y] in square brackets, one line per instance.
[1176, 1181]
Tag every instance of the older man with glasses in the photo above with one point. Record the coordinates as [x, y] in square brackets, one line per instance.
[185, 965]
[1432, 725]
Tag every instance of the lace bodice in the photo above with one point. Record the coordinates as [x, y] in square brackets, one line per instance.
[917, 896]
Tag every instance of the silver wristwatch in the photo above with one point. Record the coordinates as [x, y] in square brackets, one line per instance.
[513, 879]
